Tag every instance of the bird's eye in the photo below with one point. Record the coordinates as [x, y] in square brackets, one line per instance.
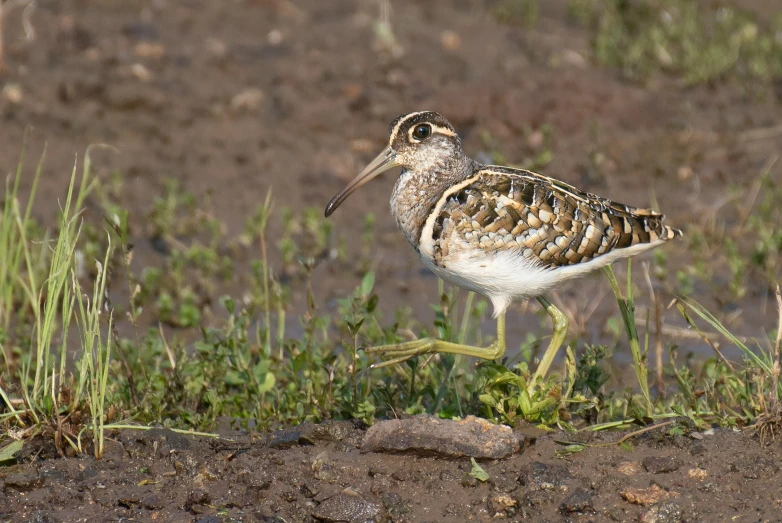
[422, 132]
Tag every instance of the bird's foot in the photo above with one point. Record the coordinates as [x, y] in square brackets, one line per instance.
[400, 352]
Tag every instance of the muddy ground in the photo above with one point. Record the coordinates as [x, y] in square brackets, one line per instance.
[232, 98]
[319, 474]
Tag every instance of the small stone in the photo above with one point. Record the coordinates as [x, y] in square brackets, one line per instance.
[216, 48]
[629, 468]
[647, 496]
[274, 37]
[13, 93]
[699, 474]
[661, 464]
[543, 476]
[149, 50]
[349, 507]
[667, 512]
[141, 72]
[152, 502]
[500, 504]
[247, 100]
[425, 435]
[578, 502]
[450, 40]
[394, 504]
[128, 500]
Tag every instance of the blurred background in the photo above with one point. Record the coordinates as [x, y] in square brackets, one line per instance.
[207, 106]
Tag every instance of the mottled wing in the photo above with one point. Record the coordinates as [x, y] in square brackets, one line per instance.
[547, 221]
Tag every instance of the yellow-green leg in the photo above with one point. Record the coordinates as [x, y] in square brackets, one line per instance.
[404, 351]
[560, 331]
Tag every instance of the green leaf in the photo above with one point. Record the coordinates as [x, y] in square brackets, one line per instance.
[267, 384]
[7, 452]
[477, 471]
[367, 283]
[487, 399]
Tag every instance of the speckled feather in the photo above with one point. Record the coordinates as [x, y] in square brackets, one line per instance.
[548, 222]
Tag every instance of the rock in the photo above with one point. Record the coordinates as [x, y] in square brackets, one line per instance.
[149, 50]
[697, 474]
[578, 502]
[349, 507]
[22, 481]
[629, 468]
[152, 502]
[394, 504]
[543, 476]
[500, 505]
[424, 435]
[668, 512]
[248, 100]
[661, 464]
[647, 496]
[13, 94]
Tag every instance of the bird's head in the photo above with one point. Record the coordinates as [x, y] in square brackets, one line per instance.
[418, 142]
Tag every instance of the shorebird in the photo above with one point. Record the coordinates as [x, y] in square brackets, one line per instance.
[508, 234]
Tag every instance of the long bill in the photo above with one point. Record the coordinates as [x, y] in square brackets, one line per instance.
[384, 161]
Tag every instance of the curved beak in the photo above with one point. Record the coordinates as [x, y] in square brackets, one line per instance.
[384, 161]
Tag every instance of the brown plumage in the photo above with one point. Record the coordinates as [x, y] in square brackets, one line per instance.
[541, 218]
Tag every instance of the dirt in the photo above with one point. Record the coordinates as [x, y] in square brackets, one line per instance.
[234, 98]
[323, 475]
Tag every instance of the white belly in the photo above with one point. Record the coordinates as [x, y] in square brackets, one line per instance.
[506, 276]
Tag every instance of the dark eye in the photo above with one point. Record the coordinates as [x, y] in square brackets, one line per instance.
[423, 131]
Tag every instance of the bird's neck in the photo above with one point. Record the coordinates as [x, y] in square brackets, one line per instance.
[416, 193]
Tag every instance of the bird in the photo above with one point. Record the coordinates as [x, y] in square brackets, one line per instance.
[508, 234]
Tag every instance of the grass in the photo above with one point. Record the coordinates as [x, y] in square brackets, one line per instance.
[699, 43]
[69, 375]
[696, 43]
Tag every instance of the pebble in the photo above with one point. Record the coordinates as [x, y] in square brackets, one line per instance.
[543, 476]
[247, 100]
[661, 464]
[647, 496]
[349, 507]
[578, 502]
[667, 512]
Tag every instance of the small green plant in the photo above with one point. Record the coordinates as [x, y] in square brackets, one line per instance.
[627, 308]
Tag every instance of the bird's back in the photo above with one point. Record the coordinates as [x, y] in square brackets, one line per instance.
[547, 222]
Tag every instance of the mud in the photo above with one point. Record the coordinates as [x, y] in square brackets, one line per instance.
[690, 476]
